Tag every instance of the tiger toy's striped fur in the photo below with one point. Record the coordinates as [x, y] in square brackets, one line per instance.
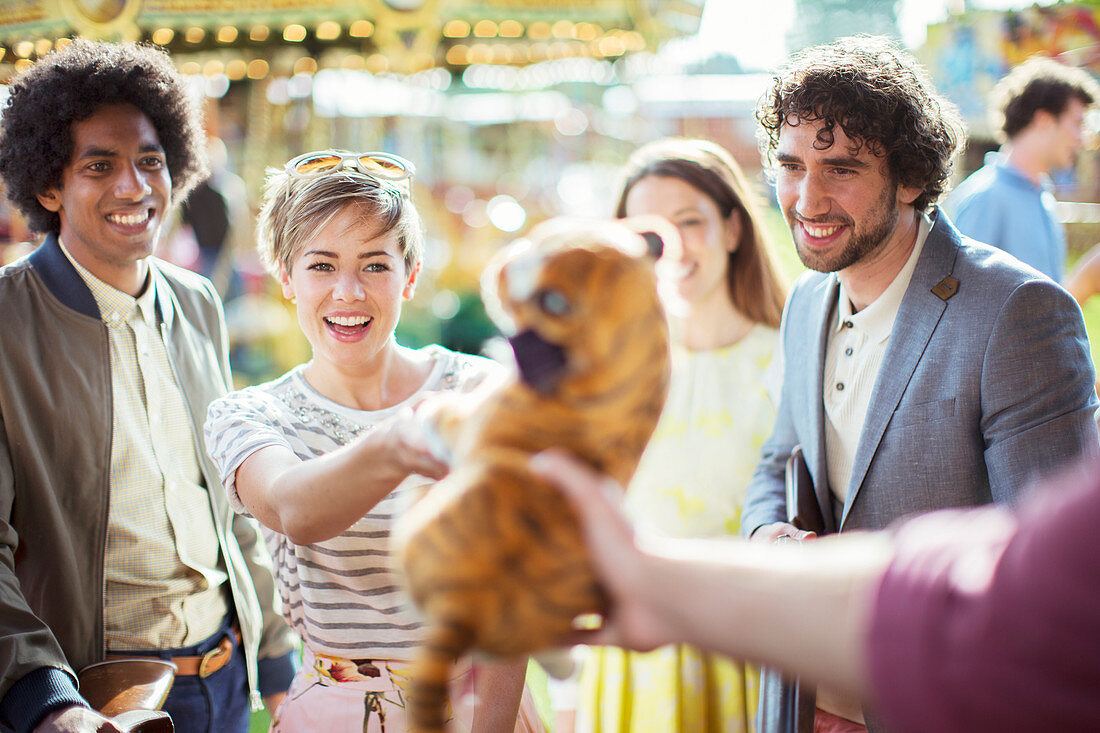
[493, 556]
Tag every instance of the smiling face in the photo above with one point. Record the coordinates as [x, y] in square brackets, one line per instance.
[349, 284]
[700, 271]
[113, 196]
[843, 208]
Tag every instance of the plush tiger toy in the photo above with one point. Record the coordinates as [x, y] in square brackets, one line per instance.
[493, 556]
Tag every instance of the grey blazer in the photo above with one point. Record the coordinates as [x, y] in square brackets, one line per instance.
[979, 391]
[982, 387]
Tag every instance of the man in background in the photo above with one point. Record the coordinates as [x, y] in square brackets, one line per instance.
[1039, 108]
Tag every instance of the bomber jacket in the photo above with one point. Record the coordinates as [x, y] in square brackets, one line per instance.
[55, 455]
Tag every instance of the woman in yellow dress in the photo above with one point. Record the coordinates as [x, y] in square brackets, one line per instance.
[724, 299]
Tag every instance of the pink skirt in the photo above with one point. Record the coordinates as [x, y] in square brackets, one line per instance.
[336, 695]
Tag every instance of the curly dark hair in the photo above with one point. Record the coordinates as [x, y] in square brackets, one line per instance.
[70, 85]
[1038, 84]
[880, 97]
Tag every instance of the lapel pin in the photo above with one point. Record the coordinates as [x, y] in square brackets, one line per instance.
[945, 288]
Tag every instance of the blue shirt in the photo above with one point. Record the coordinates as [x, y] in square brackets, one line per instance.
[1000, 206]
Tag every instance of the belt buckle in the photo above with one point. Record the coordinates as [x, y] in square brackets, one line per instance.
[216, 658]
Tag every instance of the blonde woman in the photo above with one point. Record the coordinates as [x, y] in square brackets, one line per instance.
[323, 458]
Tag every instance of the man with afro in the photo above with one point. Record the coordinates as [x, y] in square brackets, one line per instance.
[115, 537]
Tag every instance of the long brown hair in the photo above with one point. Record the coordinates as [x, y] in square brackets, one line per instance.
[751, 275]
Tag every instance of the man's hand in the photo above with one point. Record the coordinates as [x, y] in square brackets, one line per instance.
[771, 533]
[76, 719]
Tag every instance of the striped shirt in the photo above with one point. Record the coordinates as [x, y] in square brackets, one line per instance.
[340, 594]
[164, 572]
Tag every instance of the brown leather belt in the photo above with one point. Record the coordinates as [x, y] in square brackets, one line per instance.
[200, 666]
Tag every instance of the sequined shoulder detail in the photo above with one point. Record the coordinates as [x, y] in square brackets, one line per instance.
[455, 372]
[338, 427]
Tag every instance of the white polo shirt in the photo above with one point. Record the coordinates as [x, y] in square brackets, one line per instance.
[857, 343]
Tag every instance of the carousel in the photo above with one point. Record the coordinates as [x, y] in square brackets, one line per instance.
[503, 105]
[255, 38]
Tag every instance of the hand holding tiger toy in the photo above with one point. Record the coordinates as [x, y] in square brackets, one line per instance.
[493, 555]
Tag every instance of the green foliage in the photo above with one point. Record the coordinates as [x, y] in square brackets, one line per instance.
[1092, 325]
[779, 234]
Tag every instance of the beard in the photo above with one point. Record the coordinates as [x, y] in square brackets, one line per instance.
[862, 243]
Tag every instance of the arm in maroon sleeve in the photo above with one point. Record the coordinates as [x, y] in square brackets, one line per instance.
[986, 621]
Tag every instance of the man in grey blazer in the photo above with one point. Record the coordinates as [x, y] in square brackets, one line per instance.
[922, 369]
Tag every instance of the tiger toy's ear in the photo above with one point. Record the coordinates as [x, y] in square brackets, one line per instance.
[661, 237]
[494, 284]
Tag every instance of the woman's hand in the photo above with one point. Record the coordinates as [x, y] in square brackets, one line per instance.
[413, 446]
[315, 500]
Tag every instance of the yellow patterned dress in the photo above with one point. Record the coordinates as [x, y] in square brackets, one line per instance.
[691, 483]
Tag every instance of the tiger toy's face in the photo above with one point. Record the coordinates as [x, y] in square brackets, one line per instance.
[570, 300]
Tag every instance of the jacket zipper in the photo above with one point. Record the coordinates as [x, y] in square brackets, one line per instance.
[106, 514]
[254, 697]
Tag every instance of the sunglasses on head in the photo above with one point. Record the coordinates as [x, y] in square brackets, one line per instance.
[385, 166]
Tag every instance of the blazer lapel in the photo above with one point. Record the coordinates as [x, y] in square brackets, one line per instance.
[819, 324]
[919, 313]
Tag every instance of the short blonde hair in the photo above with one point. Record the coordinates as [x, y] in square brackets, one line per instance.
[294, 209]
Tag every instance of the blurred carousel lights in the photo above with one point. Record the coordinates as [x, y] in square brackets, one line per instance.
[485, 29]
[539, 75]
[361, 29]
[236, 69]
[504, 56]
[456, 29]
[305, 66]
[300, 85]
[216, 85]
[278, 91]
[476, 214]
[505, 213]
[457, 198]
[510, 29]
[328, 31]
[258, 69]
[445, 305]
[571, 122]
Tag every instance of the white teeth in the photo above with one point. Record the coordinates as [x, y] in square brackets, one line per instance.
[348, 320]
[130, 219]
[821, 231]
